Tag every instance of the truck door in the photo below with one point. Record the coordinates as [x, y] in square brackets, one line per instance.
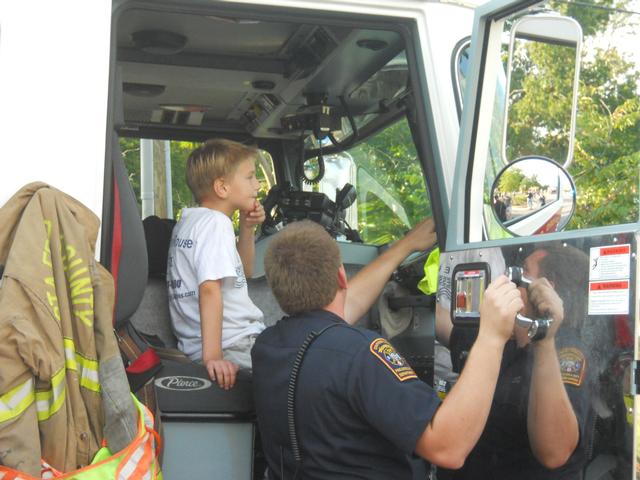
[546, 183]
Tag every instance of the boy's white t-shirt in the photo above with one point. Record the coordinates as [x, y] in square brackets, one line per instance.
[203, 247]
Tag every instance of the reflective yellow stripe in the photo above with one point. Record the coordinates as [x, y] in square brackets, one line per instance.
[70, 354]
[49, 401]
[16, 400]
[87, 369]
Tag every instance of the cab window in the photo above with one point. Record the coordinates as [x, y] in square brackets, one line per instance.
[168, 192]
[391, 191]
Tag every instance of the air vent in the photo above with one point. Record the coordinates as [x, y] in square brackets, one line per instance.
[159, 42]
[372, 44]
[263, 84]
[143, 89]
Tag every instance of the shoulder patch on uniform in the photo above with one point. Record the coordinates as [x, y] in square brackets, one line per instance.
[572, 366]
[391, 359]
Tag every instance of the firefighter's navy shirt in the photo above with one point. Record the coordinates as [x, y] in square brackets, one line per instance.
[503, 451]
[359, 409]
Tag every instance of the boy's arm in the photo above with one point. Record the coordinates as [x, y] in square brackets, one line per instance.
[365, 287]
[246, 239]
[220, 370]
[246, 249]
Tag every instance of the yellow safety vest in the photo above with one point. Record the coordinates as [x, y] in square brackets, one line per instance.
[139, 461]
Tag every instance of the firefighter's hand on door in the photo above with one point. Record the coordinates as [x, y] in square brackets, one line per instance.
[501, 302]
[421, 237]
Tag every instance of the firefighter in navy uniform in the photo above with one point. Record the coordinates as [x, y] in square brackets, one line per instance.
[335, 401]
[349, 375]
[541, 421]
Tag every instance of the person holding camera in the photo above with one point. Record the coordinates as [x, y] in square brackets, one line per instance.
[338, 402]
[541, 421]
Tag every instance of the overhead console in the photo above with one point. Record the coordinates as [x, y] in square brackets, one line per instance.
[192, 76]
[323, 74]
[307, 50]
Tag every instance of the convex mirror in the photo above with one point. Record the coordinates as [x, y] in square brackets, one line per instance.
[533, 195]
[542, 95]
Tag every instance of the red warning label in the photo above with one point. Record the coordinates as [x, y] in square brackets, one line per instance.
[620, 285]
[618, 250]
[609, 298]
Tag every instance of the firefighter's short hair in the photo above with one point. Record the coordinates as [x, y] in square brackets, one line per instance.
[214, 159]
[301, 264]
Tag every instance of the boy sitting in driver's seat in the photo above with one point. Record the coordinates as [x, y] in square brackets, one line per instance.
[212, 315]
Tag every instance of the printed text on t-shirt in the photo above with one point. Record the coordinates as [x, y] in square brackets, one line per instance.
[183, 242]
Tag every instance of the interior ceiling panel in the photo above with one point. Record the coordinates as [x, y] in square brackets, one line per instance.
[207, 33]
[227, 65]
[188, 78]
[220, 90]
[339, 73]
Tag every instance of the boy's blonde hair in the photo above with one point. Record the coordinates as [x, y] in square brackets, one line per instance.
[301, 264]
[212, 160]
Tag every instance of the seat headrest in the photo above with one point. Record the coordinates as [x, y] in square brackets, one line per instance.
[128, 251]
[157, 233]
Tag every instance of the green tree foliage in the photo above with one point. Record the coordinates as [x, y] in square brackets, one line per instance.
[607, 143]
[539, 125]
[607, 157]
[511, 180]
[532, 183]
[182, 197]
[130, 148]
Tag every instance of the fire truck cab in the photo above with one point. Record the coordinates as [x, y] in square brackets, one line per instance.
[514, 124]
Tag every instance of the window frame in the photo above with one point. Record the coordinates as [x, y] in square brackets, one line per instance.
[466, 218]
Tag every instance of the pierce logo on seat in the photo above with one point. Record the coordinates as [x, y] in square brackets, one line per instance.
[182, 383]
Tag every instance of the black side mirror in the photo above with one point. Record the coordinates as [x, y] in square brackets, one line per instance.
[346, 196]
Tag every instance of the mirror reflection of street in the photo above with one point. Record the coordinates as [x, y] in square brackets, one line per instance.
[533, 195]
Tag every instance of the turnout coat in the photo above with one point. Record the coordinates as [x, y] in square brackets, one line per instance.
[63, 389]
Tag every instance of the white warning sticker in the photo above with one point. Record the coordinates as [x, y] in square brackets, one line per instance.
[609, 270]
[609, 297]
[609, 263]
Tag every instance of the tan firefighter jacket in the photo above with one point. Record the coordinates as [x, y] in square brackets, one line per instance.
[62, 383]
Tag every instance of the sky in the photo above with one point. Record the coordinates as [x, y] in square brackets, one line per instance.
[546, 173]
[625, 38]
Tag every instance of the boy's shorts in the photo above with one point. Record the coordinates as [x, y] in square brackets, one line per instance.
[240, 352]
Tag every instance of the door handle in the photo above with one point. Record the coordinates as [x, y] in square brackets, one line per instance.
[537, 328]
